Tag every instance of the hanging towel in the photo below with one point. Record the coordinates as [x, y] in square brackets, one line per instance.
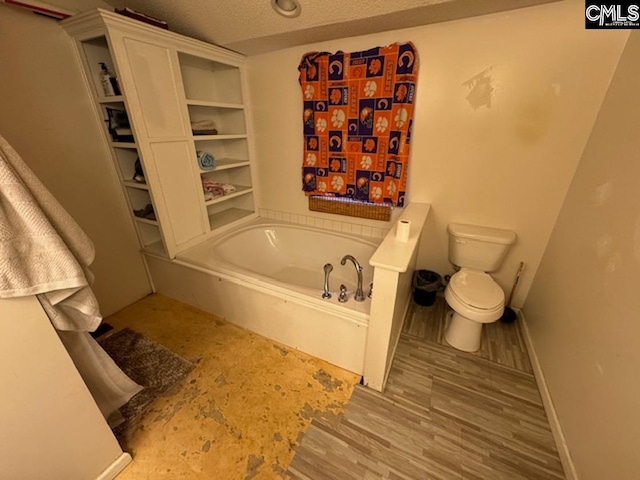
[357, 120]
[206, 161]
[44, 252]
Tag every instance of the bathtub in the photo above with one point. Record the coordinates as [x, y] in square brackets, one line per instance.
[290, 258]
[267, 277]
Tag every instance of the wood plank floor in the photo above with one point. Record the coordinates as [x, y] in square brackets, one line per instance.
[444, 415]
[501, 342]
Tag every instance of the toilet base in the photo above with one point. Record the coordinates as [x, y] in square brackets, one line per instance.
[463, 334]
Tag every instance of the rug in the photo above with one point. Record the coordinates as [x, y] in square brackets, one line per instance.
[147, 363]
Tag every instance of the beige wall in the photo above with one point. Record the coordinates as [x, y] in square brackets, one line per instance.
[505, 164]
[47, 117]
[51, 427]
[583, 307]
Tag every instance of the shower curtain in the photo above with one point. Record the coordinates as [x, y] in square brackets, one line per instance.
[44, 252]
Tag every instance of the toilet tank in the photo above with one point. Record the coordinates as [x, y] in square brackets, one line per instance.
[480, 248]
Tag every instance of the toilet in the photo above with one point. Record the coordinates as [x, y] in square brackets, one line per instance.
[473, 295]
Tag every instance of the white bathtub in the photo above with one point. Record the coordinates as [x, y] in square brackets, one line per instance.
[289, 257]
[267, 277]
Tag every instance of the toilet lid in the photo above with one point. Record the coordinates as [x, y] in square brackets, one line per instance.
[476, 289]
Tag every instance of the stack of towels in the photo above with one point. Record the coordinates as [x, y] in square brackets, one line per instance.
[204, 127]
[213, 189]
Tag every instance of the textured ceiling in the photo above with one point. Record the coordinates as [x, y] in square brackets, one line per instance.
[252, 27]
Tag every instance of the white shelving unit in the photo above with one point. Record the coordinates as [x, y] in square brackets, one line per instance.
[167, 82]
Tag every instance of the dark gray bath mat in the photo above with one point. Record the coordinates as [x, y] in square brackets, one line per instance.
[147, 363]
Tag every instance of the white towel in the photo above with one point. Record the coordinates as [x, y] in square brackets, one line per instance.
[43, 251]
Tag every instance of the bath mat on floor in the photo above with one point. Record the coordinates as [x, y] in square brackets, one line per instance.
[147, 363]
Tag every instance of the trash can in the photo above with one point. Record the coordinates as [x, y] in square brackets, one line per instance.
[425, 287]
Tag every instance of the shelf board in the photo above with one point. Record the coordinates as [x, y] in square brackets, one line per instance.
[227, 163]
[123, 144]
[240, 190]
[112, 99]
[198, 138]
[147, 221]
[226, 217]
[155, 248]
[132, 184]
[202, 103]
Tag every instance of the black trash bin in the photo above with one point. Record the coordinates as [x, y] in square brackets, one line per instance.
[425, 287]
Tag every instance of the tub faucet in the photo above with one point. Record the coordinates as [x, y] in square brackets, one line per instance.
[327, 270]
[342, 298]
[359, 296]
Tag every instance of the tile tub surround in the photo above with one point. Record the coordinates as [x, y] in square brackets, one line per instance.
[327, 224]
[239, 413]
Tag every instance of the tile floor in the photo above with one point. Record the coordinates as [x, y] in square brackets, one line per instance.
[240, 412]
[250, 403]
[444, 415]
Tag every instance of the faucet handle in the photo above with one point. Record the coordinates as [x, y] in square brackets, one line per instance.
[342, 298]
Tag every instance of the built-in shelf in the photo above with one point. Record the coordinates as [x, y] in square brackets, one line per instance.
[124, 145]
[132, 184]
[145, 220]
[227, 163]
[155, 248]
[211, 91]
[240, 190]
[197, 138]
[226, 217]
[111, 99]
[201, 103]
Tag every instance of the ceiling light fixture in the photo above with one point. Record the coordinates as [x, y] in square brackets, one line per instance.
[287, 8]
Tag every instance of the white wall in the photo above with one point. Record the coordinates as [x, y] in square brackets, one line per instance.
[583, 307]
[47, 117]
[504, 164]
[50, 427]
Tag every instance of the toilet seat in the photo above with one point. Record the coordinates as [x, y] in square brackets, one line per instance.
[476, 290]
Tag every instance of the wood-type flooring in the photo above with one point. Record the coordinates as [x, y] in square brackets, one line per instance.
[445, 414]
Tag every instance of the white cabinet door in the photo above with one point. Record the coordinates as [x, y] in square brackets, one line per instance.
[157, 91]
[156, 103]
[172, 163]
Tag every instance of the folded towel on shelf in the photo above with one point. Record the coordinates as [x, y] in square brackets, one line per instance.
[204, 127]
[206, 161]
[228, 188]
[212, 189]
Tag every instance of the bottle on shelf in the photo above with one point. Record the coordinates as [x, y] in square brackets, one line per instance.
[109, 83]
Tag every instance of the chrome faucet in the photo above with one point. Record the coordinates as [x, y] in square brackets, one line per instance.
[342, 298]
[327, 270]
[359, 296]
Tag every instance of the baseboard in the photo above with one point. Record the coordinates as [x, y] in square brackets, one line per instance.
[554, 422]
[116, 467]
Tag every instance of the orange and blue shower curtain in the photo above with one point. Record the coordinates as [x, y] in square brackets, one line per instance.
[357, 114]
